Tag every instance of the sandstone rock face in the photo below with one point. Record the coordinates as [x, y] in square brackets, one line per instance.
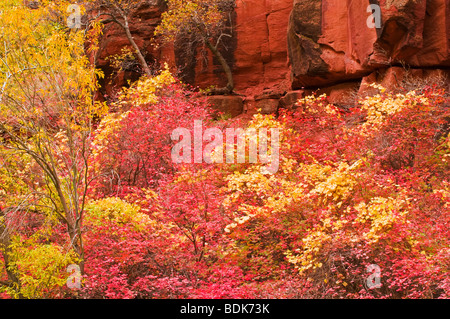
[267, 106]
[289, 100]
[261, 53]
[257, 54]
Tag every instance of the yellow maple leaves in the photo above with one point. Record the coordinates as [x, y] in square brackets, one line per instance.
[118, 211]
[379, 107]
[339, 185]
[40, 267]
[145, 91]
[308, 257]
[380, 214]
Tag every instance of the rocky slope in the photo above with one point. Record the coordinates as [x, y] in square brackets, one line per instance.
[283, 49]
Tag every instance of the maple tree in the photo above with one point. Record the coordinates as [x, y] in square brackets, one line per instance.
[132, 147]
[342, 200]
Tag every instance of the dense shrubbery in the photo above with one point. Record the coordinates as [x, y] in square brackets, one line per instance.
[356, 187]
[363, 186]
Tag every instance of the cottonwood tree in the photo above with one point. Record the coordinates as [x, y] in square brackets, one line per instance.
[202, 21]
[47, 110]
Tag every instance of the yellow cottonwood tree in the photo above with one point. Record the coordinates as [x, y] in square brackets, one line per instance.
[46, 112]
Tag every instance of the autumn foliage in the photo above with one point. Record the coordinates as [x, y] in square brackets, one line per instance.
[366, 185]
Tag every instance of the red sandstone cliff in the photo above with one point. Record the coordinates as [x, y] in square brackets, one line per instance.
[284, 45]
[339, 45]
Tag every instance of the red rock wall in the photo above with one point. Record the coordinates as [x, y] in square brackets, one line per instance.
[261, 54]
[260, 49]
[284, 45]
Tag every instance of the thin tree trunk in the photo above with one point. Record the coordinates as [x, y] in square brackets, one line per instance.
[224, 64]
[5, 244]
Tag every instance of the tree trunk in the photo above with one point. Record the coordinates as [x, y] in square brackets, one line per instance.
[136, 48]
[224, 64]
[5, 246]
[77, 244]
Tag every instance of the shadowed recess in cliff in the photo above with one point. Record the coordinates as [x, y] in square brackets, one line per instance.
[304, 31]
